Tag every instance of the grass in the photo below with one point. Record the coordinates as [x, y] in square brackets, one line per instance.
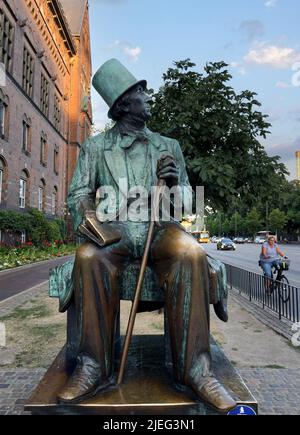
[41, 335]
[35, 333]
[274, 366]
[158, 326]
[21, 313]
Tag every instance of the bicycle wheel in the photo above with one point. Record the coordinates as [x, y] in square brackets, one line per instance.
[284, 289]
[269, 285]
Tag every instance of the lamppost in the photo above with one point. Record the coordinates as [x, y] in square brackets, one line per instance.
[267, 216]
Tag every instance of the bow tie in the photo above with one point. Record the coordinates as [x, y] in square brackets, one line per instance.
[128, 139]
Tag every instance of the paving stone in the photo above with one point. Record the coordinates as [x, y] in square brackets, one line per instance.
[281, 398]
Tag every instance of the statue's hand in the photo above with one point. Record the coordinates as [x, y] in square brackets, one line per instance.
[168, 170]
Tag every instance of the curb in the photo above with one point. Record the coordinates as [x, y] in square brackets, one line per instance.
[27, 266]
[23, 293]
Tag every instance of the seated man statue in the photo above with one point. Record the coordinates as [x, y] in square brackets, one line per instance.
[131, 151]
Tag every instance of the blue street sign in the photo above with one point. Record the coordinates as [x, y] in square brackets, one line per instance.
[242, 410]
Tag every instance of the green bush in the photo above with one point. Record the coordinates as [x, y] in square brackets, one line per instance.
[37, 227]
[53, 232]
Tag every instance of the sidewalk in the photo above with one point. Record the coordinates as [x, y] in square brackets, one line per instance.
[267, 361]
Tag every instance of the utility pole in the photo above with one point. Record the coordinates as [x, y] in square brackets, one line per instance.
[235, 224]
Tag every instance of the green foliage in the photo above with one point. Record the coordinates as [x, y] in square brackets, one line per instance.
[283, 218]
[253, 222]
[27, 254]
[14, 221]
[37, 227]
[219, 131]
[278, 220]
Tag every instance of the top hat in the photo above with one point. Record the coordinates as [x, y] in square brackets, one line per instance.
[113, 80]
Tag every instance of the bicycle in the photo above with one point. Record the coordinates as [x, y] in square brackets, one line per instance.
[280, 281]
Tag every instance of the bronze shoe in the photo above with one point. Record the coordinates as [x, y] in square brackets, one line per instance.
[83, 382]
[212, 392]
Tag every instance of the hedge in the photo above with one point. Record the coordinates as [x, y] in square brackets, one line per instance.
[37, 227]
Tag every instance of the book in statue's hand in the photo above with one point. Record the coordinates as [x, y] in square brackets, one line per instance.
[100, 233]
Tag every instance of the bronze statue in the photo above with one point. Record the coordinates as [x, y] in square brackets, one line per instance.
[129, 150]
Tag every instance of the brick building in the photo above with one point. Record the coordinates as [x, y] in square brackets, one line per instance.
[45, 109]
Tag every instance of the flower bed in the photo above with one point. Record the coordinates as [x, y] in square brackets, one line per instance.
[28, 253]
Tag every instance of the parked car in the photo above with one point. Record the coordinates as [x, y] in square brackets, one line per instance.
[226, 245]
[214, 239]
[260, 240]
[239, 240]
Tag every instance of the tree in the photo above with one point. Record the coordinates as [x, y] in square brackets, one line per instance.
[219, 131]
[236, 224]
[253, 222]
[278, 220]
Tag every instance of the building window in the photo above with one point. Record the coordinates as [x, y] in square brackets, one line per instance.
[23, 237]
[42, 196]
[28, 72]
[43, 151]
[1, 179]
[3, 115]
[57, 112]
[3, 175]
[54, 201]
[23, 192]
[4, 118]
[44, 95]
[26, 135]
[22, 196]
[6, 41]
[56, 160]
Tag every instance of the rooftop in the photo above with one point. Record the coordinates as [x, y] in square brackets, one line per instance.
[74, 12]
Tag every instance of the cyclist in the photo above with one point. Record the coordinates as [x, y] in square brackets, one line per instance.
[270, 256]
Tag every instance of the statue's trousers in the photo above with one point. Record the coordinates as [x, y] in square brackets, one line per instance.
[182, 270]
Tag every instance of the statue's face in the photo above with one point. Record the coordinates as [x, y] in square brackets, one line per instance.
[139, 103]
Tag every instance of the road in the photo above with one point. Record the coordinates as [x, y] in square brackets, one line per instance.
[246, 257]
[17, 280]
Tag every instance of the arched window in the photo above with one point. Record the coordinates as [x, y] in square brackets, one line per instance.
[26, 135]
[56, 160]
[54, 200]
[43, 151]
[23, 192]
[4, 115]
[2, 178]
[42, 195]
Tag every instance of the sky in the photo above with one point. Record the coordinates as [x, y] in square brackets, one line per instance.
[260, 40]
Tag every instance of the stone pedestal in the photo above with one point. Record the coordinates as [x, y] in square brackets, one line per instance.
[148, 388]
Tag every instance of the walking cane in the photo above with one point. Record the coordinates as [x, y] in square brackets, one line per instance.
[137, 295]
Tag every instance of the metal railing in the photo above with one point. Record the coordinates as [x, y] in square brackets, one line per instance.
[284, 301]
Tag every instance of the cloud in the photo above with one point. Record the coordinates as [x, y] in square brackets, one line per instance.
[272, 55]
[252, 29]
[286, 150]
[240, 67]
[270, 3]
[131, 52]
[283, 85]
